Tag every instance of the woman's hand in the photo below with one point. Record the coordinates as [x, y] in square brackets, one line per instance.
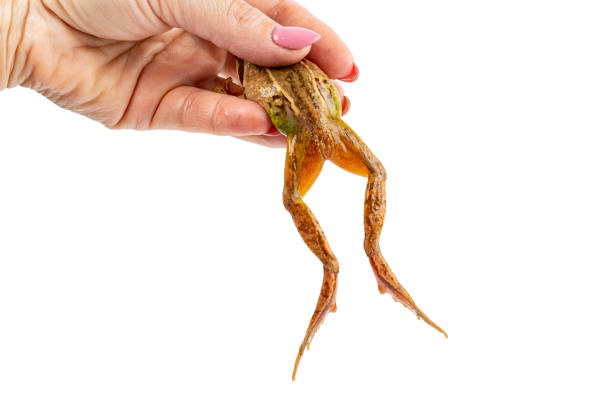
[150, 64]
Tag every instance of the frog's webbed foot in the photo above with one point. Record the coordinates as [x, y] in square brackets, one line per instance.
[353, 155]
[301, 170]
[387, 282]
[325, 304]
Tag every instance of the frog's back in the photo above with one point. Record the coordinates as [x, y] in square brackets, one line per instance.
[300, 99]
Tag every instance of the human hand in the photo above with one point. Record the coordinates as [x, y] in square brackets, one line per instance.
[151, 64]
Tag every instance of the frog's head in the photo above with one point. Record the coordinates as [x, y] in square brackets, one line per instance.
[260, 87]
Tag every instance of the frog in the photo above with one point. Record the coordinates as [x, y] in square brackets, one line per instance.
[304, 105]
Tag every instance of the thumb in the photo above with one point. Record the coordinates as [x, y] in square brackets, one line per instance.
[241, 29]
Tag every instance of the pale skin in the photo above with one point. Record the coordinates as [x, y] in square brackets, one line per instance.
[151, 64]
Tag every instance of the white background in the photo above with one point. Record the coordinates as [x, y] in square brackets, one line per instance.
[160, 269]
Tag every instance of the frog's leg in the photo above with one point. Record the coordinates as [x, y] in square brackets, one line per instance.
[301, 169]
[357, 158]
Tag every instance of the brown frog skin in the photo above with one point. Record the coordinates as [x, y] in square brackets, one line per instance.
[303, 104]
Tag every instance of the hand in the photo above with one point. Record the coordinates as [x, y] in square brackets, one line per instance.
[149, 64]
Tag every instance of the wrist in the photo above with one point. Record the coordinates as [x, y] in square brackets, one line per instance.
[13, 53]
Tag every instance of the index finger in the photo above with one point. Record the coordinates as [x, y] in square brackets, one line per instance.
[329, 52]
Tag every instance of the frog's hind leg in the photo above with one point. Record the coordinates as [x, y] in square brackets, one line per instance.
[353, 155]
[301, 170]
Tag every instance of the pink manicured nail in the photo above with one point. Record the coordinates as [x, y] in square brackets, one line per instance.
[351, 76]
[294, 38]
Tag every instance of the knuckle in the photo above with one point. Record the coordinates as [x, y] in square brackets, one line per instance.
[283, 7]
[219, 117]
[188, 106]
[240, 13]
[196, 114]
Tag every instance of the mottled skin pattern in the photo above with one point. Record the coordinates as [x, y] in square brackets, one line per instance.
[303, 104]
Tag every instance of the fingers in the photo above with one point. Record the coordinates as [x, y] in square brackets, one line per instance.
[329, 52]
[266, 32]
[197, 110]
[240, 28]
[193, 109]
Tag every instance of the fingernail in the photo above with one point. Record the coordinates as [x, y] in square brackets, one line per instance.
[351, 76]
[272, 132]
[346, 105]
[294, 38]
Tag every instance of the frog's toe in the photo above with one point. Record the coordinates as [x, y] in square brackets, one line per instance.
[325, 304]
[388, 283]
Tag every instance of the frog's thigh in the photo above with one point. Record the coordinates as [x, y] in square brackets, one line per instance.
[311, 166]
[348, 160]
